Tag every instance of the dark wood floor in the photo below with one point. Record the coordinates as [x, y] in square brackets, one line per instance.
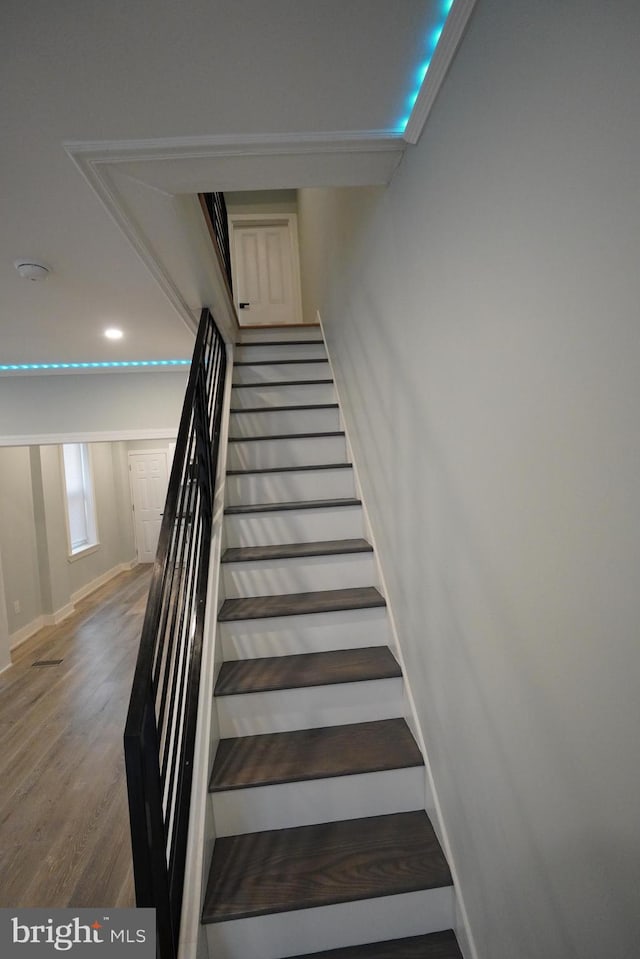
[64, 830]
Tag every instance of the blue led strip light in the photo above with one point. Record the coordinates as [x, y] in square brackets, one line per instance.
[431, 42]
[115, 364]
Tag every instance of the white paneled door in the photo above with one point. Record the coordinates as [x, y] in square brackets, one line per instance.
[149, 479]
[266, 271]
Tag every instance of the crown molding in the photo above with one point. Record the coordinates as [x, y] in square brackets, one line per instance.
[96, 436]
[452, 33]
[66, 368]
[219, 145]
[97, 173]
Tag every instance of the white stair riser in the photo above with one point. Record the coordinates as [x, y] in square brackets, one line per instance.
[313, 633]
[280, 372]
[294, 526]
[289, 487]
[265, 334]
[318, 800]
[248, 714]
[251, 396]
[292, 351]
[299, 575]
[332, 927]
[299, 451]
[284, 421]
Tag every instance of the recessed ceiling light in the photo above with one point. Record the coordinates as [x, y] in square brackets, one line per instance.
[113, 333]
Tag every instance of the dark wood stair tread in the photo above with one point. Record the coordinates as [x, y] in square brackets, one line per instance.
[289, 362]
[283, 870]
[302, 670]
[285, 436]
[331, 547]
[291, 505]
[283, 409]
[241, 386]
[303, 754]
[292, 469]
[436, 945]
[299, 604]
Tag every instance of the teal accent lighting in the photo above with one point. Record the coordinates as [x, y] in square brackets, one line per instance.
[421, 72]
[435, 35]
[111, 365]
[430, 43]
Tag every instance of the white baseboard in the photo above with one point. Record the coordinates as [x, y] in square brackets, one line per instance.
[25, 632]
[46, 619]
[5, 668]
[52, 619]
[99, 581]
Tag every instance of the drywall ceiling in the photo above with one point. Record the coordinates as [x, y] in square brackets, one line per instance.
[172, 93]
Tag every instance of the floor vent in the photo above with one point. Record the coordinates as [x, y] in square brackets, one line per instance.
[47, 662]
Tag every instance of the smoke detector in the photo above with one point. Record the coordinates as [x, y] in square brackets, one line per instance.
[29, 270]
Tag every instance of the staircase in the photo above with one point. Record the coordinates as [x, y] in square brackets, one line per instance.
[323, 847]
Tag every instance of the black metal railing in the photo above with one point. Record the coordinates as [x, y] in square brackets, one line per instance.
[217, 210]
[161, 723]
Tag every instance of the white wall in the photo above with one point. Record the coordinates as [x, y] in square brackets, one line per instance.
[55, 567]
[122, 491]
[262, 201]
[5, 654]
[36, 412]
[482, 315]
[100, 405]
[18, 538]
[141, 446]
[37, 571]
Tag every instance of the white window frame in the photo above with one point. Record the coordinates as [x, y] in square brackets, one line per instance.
[85, 502]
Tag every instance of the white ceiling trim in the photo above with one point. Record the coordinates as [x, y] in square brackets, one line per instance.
[96, 436]
[70, 370]
[97, 175]
[175, 167]
[227, 162]
[256, 144]
[452, 33]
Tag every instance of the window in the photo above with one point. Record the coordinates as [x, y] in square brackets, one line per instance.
[81, 514]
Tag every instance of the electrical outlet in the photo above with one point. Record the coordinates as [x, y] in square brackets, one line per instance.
[17, 608]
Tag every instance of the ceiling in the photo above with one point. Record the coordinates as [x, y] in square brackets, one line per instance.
[114, 114]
